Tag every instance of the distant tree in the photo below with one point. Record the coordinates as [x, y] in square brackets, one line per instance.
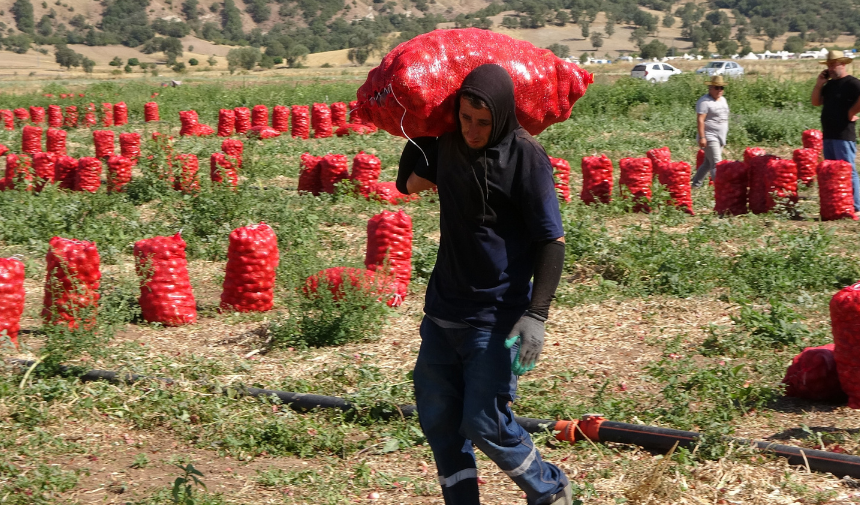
[189, 10]
[78, 21]
[609, 28]
[193, 62]
[638, 35]
[794, 44]
[699, 37]
[583, 26]
[212, 61]
[275, 49]
[133, 62]
[296, 54]
[358, 55]
[668, 20]
[645, 20]
[231, 21]
[127, 19]
[745, 50]
[597, 40]
[172, 28]
[22, 11]
[583, 58]
[653, 49]
[179, 67]
[88, 65]
[727, 47]
[66, 57]
[267, 62]
[172, 49]
[116, 62]
[45, 26]
[244, 58]
[560, 50]
[562, 17]
[127, 69]
[510, 22]
[259, 10]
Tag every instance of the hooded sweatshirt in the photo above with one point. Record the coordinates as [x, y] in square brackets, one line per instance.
[497, 204]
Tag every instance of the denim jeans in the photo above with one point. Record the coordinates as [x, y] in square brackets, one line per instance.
[464, 389]
[845, 150]
[713, 155]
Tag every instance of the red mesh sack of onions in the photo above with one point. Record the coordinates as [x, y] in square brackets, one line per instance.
[150, 112]
[3, 149]
[281, 118]
[700, 158]
[420, 78]
[107, 114]
[129, 146]
[72, 283]
[119, 173]
[31, 139]
[37, 115]
[835, 193]
[259, 116]
[55, 116]
[389, 246]
[812, 375]
[70, 117]
[360, 280]
[88, 176]
[104, 142]
[45, 168]
[252, 259]
[636, 175]
[299, 122]
[165, 290]
[120, 114]
[189, 121]
[263, 132]
[243, 119]
[226, 122]
[561, 174]
[234, 148]
[8, 119]
[365, 171]
[676, 177]
[845, 324]
[19, 172]
[333, 169]
[187, 180]
[813, 139]
[309, 174]
[11, 297]
[387, 192]
[22, 115]
[321, 121]
[730, 188]
[752, 152]
[338, 114]
[781, 183]
[358, 129]
[806, 160]
[596, 179]
[354, 116]
[758, 183]
[65, 172]
[660, 159]
[56, 141]
[90, 116]
[223, 168]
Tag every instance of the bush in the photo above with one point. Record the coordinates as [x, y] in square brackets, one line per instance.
[560, 50]
[193, 62]
[133, 62]
[243, 58]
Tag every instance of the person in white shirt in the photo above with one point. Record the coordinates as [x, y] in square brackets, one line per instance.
[712, 115]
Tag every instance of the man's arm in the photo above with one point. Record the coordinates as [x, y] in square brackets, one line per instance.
[700, 126]
[417, 184]
[854, 110]
[816, 90]
[417, 169]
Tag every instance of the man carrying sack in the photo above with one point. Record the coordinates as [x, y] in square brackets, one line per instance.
[712, 126]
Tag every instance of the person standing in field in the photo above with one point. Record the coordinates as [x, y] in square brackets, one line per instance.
[839, 93]
[712, 126]
[484, 320]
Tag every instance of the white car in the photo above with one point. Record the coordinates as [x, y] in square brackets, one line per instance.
[654, 72]
[726, 68]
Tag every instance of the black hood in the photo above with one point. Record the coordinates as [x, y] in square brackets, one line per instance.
[492, 84]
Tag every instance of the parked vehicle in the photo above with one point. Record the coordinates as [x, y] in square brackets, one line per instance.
[724, 68]
[654, 72]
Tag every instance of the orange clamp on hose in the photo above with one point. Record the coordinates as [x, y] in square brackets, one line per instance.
[566, 430]
[589, 426]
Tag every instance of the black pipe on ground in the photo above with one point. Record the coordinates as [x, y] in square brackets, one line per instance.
[590, 427]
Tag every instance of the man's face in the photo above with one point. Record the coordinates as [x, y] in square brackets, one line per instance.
[715, 91]
[836, 69]
[475, 124]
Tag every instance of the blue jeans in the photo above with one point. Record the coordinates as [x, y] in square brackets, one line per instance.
[464, 389]
[845, 150]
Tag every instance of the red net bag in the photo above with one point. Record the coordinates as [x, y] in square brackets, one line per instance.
[730, 188]
[806, 160]
[357, 129]
[19, 172]
[37, 115]
[22, 115]
[223, 168]
[88, 177]
[252, 259]
[387, 192]
[72, 283]
[700, 158]
[55, 116]
[281, 118]
[596, 179]
[129, 146]
[65, 172]
[44, 167]
[835, 193]
[120, 114]
[3, 149]
[299, 123]
[354, 115]
[425, 73]
[660, 159]
[561, 173]
[845, 323]
[636, 175]
[752, 152]
[70, 117]
[781, 183]
[189, 123]
[8, 119]
[813, 139]
[758, 183]
[31, 139]
[187, 181]
[104, 142]
[676, 177]
[165, 290]
[309, 174]
[338, 114]
[226, 122]
[204, 130]
[119, 173]
[234, 148]
[333, 169]
[362, 280]
[365, 171]
[150, 112]
[90, 116]
[107, 114]
[11, 297]
[263, 132]
[812, 375]
[321, 121]
[243, 119]
[56, 141]
[389, 245]
[260, 116]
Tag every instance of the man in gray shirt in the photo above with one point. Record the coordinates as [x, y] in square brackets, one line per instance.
[712, 115]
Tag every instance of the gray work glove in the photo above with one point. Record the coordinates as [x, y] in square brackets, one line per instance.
[529, 331]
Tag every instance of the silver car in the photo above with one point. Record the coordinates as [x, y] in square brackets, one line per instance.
[654, 72]
[725, 68]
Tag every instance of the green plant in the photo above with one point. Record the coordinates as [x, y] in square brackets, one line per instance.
[140, 461]
[183, 487]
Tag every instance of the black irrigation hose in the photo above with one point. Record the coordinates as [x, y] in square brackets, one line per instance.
[649, 437]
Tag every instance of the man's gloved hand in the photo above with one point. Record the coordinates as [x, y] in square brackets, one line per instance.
[529, 330]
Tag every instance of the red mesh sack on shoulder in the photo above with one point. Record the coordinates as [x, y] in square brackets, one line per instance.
[845, 323]
[243, 119]
[333, 169]
[752, 152]
[120, 114]
[234, 148]
[56, 141]
[281, 118]
[104, 142]
[31, 139]
[88, 175]
[338, 114]
[70, 117]
[263, 132]
[806, 160]
[150, 112]
[321, 121]
[129, 146]
[812, 375]
[389, 245]
[354, 115]
[189, 123]
[758, 183]
[19, 172]
[8, 119]
[72, 283]
[357, 129]
[259, 116]
[223, 169]
[365, 171]
[360, 279]
[387, 192]
[107, 114]
[252, 260]
[11, 297]
[813, 139]
[561, 174]
[730, 188]
[187, 180]
[660, 158]
[55, 116]
[596, 179]
[636, 175]
[309, 174]
[90, 116]
[165, 290]
[300, 124]
[676, 177]
[781, 183]
[65, 172]
[835, 194]
[226, 122]
[37, 115]
[44, 167]
[119, 173]
[420, 78]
